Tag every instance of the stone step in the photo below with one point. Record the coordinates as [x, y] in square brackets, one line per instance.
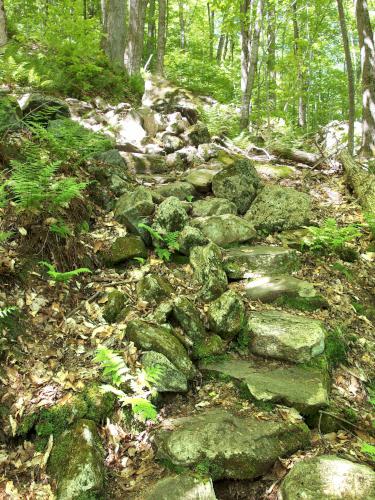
[230, 446]
[250, 261]
[301, 387]
[182, 487]
[284, 336]
[225, 230]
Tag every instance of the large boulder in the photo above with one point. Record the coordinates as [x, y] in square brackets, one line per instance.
[238, 183]
[182, 487]
[170, 216]
[247, 261]
[230, 446]
[225, 230]
[189, 238]
[197, 134]
[123, 249]
[170, 142]
[164, 375]
[77, 463]
[277, 208]
[133, 208]
[208, 271]
[181, 190]
[42, 108]
[213, 206]
[300, 387]
[189, 318]
[200, 178]
[226, 315]
[285, 336]
[145, 163]
[328, 478]
[151, 337]
[154, 288]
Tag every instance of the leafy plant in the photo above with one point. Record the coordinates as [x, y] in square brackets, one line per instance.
[330, 238]
[5, 312]
[61, 229]
[370, 223]
[369, 449]
[169, 242]
[5, 235]
[63, 277]
[116, 370]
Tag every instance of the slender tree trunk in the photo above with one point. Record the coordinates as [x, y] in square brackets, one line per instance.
[366, 44]
[181, 15]
[113, 19]
[151, 28]
[211, 28]
[84, 9]
[220, 48]
[350, 72]
[300, 73]
[253, 61]
[225, 51]
[3, 25]
[161, 37]
[271, 57]
[134, 48]
[245, 7]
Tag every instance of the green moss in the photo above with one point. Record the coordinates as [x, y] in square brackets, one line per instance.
[168, 464]
[210, 346]
[56, 419]
[350, 415]
[116, 302]
[27, 424]
[336, 347]
[302, 303]
[100, 404]
[208, 469]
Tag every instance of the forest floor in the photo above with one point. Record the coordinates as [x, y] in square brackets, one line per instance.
[53, 360]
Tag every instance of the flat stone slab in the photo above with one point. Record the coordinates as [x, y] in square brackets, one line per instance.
[225, 230]
[269, 171]
[213, 206]
[230, 446]
[328, 478]
[303, 388]
[182, 487]
[252, 261]
[201, 178]
[280, 335]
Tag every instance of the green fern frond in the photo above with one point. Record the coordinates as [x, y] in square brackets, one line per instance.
[143, 408]
[63, 277]
[5, 312]
[113, 365]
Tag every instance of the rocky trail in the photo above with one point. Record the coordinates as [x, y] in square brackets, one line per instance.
[261, 347]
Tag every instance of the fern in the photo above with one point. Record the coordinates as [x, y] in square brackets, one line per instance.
[5, 235]
[169, 241]
[330, 238]
[113, 366]
[5, 312]
[60, 229]
[63, 277]
[370, 223]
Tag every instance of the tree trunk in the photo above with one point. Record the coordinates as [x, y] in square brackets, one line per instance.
[113, 19]
[361, 181]
[3, 25]
[225, 51]
[134, 48]
[350, 72]
[271, 58]
[84, 9]
[300, 72]
[245, 7]
[161, 37]
[220, 48]
[151, 28]
[182, 24]
[297, 155]
[211, 27]
[366, 44]
[252, 66]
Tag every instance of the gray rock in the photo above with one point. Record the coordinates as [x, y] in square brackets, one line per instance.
[269, 171]
[285, 336]
[285, 290]
[229, 446]
[177, 124]
[301, 387]
[197, 134]
[247, 261]
[164, 375]
[208, 271]
[170, 142]
[210, 345]
[295, 238]
[188, 317]
[328, 478]
[178, 189]
[226, 315]
[123, 249]
[43, 108]
[114, 306]
[133, 208]
[238, 183]
[170, 216]
[141, 163]
[77, 463]
[152, 337]
[277, 208]
[111, 157]
[213, 206]
[200, 178]
[225, 230]
[154, 288]
[182, 487]
[189, 238]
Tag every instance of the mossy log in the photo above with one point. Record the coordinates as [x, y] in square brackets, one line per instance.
[361, 181]
[297, 155]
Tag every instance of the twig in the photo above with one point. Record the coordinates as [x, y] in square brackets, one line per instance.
[342, 420]
[78, 308]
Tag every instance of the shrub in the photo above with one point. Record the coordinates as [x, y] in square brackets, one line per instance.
[329, 238]
[221, 119]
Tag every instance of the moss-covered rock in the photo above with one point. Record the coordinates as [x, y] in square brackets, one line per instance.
[163, 375]
[197, 134]
[154, 288]
[226, 315]
[170, 216]
[182, 487]
[213, 206]
[225, 230]
[189, 318]
[179, 189]
[112, 158]
[328, 478]
[210, 345]
[238, 183]
[116, 303]
[42, 108]
[208, 439]
[208, 271]
[200, 178]
[189, 238]
[77, 463]
[152, 337]
[123, 249]
[277, 208]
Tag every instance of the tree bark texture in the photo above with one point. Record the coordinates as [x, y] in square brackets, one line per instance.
[302, 111]
[113, 19]
[361, 181]
[162, 37]
[134, 47]
[3, 25]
